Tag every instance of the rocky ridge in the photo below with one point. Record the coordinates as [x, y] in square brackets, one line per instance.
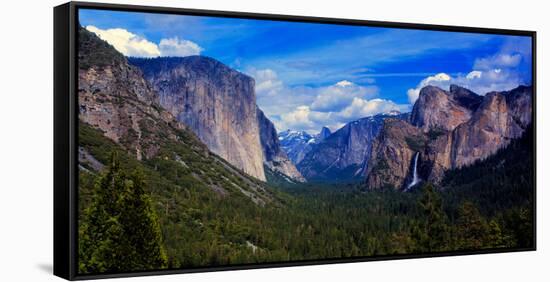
[450, 129]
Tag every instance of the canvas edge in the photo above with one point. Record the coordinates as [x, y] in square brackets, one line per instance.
[64, 158]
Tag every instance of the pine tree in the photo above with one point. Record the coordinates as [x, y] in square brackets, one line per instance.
[472, 229]
[120, 230]
[143, 234]
[432, 231]
[496, 237]
[102, 232]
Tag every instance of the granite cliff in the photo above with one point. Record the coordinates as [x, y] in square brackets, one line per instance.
[444, 110]
[502, 116]
[449, 129]
[116, 103]
[392, 154]
[214, 101]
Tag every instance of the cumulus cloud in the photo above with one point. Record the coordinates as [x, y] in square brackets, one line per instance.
[502, 71]
[363, 108]
[483, 82]
[479, 81]
[267, 82]
[178, 47]
[126, 42]
[299, 118]
[310, 108]
[305, 118]
[474, 75]
[336, 97]
[344, 83]
[440, 79]
[132, 45]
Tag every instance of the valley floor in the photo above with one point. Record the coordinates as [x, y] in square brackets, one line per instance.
[485, 206]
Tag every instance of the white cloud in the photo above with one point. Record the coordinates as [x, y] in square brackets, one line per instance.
[360, 108]
[178, 47]
[483, 82]
[133, 45]
[440, 79]
[498, 61]
[344, 83]
[475, 74]
[298, 119]
[304, 118]
[341, 94]
[497, 72]
[310, 108]
[478, 81]
[267, 82]
[126, 42]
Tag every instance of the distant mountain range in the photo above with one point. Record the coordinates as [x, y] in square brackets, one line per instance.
[343, 155]
[297, 144]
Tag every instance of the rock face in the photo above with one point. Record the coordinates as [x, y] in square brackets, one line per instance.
[114, 97]
[324, 134]
[274, 157]
[392, 154]
[500, 118]
[520, 103]
[437, 157]
[469, 128]
[344, 155]
[464, 97]
[443, 110]
[215, 101]
[118, 104]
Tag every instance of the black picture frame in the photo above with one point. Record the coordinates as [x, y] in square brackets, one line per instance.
[65, 133]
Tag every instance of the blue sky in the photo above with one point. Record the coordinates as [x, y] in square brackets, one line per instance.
[310, 75]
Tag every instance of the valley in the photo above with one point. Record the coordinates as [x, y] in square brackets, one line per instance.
[224, 187]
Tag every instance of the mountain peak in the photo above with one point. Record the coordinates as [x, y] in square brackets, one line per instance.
[296, 144]
[454, 88]
[95, 52]
[197, 64]
[325, 132]
[436, 108]
[465, 97]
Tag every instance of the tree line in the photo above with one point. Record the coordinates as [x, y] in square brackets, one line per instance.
[133, 218]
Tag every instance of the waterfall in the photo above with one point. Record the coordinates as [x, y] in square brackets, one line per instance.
[415, 179]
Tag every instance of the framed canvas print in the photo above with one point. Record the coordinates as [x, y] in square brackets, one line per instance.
[191, 140]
